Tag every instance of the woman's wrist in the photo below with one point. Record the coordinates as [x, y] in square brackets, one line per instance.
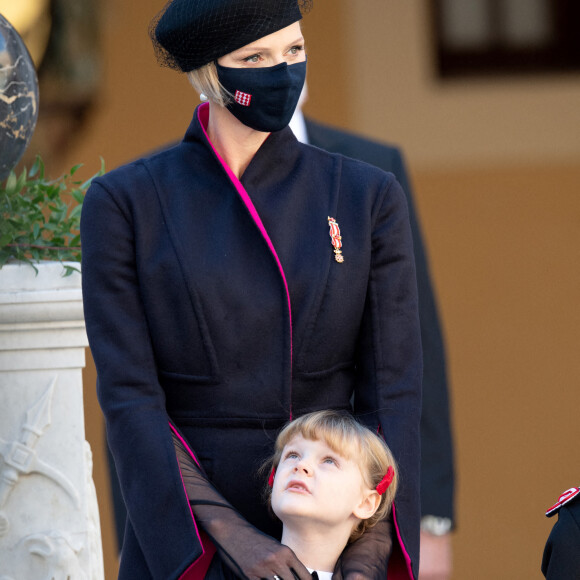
[436, 526]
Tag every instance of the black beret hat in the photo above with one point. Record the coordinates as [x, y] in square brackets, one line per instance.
[188, 34]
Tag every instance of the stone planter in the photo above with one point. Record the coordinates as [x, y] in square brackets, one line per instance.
[49, 520]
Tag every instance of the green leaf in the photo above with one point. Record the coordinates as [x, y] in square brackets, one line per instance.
[11, 183]
[87, 183]
[4, 257]
[76, 212]
[21, 181]
[41, 172]
[38, 219]
[75, 169]
[78, 196]
[68, 270]
[35, 167]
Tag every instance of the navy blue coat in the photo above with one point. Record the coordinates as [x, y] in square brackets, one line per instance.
[229, 316]
[437, 469]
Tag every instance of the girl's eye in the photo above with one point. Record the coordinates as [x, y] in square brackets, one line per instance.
[252, 58]
[330, 461]
[291, 455]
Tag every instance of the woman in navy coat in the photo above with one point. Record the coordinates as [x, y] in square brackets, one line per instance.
[238, 280]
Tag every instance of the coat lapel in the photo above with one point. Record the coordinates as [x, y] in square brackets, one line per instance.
[250, 247]
[294, 203]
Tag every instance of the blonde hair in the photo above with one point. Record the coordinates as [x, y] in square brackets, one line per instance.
[347, 437]
[205, 81]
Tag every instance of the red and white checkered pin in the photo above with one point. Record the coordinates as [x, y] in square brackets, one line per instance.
[567, 496]
[243, 99]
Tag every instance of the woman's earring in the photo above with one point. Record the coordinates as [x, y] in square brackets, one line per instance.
[203, 98]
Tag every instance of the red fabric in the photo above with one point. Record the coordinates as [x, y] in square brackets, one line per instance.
[243, 99]
[568, 495]
[271, 478]
[335, 233]
[383, 485]
[198, 569]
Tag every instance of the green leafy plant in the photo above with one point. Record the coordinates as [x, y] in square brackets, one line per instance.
[40, 218]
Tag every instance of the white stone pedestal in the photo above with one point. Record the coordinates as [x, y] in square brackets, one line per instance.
[49, 520]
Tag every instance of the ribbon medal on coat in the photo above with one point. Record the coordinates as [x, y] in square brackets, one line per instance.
[336, 239]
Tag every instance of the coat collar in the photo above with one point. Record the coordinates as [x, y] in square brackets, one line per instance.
[275, 159]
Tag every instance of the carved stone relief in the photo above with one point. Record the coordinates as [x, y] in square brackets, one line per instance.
[49, 522]
[20, 457]
[59, 554]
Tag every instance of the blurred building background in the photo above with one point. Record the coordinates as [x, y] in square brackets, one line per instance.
[483, 96]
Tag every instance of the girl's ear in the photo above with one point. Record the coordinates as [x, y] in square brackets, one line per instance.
[369, 504]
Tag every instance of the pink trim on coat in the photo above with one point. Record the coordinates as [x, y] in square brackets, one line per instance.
[203, 117]
[198, 568]
[400, 570]
[396, 569]
[184, 443]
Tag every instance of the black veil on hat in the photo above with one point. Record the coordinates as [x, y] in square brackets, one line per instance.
[188, 34]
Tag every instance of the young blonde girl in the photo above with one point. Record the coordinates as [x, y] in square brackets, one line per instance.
[331, 480]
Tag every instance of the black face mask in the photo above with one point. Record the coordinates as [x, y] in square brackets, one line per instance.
[265, 98]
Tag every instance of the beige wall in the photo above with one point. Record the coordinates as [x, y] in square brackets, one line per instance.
[393, 91]
[496, 168]
[504, 247]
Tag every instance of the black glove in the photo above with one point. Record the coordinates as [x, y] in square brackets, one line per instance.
[368, 557]
[247, 552]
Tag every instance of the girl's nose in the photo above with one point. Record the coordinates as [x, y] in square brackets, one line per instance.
[303, 467]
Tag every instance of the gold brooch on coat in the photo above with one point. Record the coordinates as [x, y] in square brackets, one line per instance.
[336, 239]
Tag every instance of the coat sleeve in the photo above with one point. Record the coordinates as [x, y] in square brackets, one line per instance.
[389, 360]
[129, 392]
[437, 471]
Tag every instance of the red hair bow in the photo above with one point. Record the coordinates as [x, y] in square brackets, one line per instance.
[386, 481]
[271, 478]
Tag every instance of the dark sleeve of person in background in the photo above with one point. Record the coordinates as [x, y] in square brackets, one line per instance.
[561, 559]
[437, 476]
